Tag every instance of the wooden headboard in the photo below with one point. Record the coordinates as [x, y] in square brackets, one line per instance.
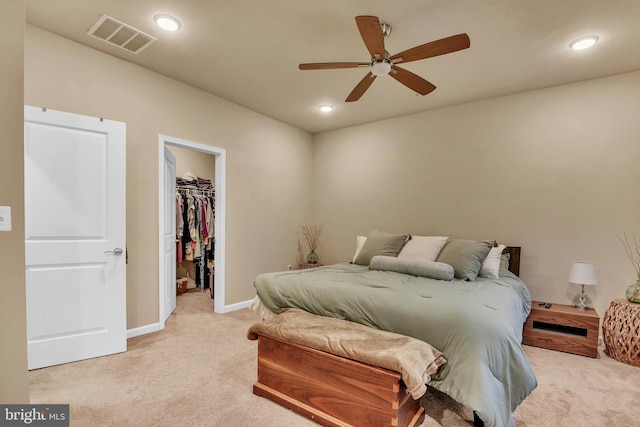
[514, 259]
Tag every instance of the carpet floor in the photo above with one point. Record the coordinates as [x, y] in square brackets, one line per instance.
[200, 369]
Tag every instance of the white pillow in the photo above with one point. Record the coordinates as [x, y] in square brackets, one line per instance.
[491, 264]
[359, 244]
[423, 247]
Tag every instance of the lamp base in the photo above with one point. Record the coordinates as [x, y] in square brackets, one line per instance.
[580, 305]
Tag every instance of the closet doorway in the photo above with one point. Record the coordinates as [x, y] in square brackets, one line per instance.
[166, 184]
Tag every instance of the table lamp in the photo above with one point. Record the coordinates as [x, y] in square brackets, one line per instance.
[583, 273]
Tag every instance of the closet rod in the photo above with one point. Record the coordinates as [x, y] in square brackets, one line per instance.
[210, 191]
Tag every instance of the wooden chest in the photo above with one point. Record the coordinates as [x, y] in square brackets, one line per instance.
[332, 390]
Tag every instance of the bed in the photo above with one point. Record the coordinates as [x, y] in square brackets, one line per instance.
[476, 324]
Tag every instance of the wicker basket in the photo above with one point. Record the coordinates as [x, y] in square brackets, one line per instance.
[621, 331]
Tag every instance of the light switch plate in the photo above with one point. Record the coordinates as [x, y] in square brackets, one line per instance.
[5, 218]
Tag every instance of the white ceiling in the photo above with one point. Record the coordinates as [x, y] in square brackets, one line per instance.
[248, 51]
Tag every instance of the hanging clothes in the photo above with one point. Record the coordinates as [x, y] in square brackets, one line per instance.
[195, 223]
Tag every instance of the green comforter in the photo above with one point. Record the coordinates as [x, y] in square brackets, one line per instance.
[476, 325]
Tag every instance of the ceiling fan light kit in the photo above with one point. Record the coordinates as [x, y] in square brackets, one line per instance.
[380, 68]
[373, 34]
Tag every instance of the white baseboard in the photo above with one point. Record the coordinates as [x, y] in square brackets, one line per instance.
[155, 327]
[147, 329]
[237, 306]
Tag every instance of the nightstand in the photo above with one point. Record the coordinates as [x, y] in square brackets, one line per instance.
[563, 328]
[305, 266]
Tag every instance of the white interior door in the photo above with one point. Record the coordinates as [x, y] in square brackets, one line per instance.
[169, 234]
[74, 236]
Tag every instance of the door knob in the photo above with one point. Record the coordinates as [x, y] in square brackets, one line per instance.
[116, 251]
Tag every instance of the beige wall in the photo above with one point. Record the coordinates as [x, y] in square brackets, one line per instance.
[200, 164]
[554, 171]
[268, 163]
[13, 326]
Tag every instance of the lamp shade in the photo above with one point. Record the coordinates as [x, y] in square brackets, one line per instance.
[583, 273]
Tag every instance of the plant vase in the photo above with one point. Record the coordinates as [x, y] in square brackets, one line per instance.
[633, 292]
[312, 257]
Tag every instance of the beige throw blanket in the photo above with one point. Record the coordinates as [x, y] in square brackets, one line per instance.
[415, 360]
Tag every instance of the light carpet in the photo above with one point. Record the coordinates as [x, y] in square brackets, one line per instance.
[199, 371]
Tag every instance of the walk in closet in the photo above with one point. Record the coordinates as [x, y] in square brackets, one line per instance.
[195, 218]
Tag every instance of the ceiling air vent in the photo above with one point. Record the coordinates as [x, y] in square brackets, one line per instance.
[120, 34]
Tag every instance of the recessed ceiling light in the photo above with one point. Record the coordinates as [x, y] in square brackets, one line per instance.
[326, 108]
[167, 22]
[584, 42]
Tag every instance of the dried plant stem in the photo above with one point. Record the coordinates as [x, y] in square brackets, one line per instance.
[311, 234]
[632, 253]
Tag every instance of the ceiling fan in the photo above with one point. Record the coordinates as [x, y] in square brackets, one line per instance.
[373, 34]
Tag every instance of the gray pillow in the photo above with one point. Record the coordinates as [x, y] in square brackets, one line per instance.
[413, 267]
[380, 243]
[465, 256]
[504, 262]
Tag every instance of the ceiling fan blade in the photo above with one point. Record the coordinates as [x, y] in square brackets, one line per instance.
[412, 81]
[371, 33]
[361, 88]
[332, 65]
[431, 49]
